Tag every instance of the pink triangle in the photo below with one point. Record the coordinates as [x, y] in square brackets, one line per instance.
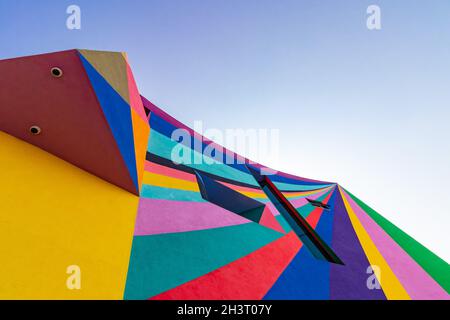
[268, 220]
[135, 98]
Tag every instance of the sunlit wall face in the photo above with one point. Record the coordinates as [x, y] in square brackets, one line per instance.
[365, 108]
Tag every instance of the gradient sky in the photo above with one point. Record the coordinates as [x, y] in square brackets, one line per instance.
[367, 109]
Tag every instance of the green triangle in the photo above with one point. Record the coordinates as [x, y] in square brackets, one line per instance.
[161, 262]
[253, 214]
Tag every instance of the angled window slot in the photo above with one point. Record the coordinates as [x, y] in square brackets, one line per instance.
[301, 227]
[229, 199]
[318, 204]
[147, 110]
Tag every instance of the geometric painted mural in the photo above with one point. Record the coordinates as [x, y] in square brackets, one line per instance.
[89, 179]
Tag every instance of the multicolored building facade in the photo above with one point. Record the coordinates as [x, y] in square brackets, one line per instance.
[89, 180]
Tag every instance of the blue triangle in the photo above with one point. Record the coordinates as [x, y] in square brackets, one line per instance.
[118, 114]
[307, 278]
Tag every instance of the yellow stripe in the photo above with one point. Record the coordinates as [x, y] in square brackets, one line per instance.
[169, 182]
[175, 183]
[392, 287]
[160, 180]
[287, 195]
[304, 193]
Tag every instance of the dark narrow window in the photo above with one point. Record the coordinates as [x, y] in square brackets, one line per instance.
[147, 110]
[301, 227]
[318, 204]
[227, 198]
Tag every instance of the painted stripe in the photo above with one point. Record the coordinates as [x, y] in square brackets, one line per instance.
[165, 181]
[157, 216]
[431, 263]
[163, 146]
[307, 277]
[165, 125]
[155, 192]
[300, 202]
[256, 191]
[152, 157]
[349, 282]
[169, 182]
[141, 132]
[166, 171]
[415, 280]
[389, 282]
[133, 91]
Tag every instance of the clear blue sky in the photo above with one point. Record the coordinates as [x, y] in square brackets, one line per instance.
[368, 109]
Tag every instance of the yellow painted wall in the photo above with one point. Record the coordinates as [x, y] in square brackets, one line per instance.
[53, 215]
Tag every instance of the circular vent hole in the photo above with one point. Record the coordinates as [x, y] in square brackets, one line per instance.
[35, 130]
[56, 72]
